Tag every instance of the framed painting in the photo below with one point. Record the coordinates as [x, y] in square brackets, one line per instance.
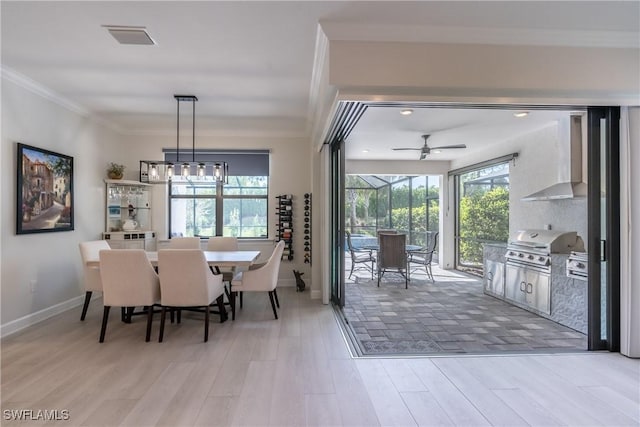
[44, 191]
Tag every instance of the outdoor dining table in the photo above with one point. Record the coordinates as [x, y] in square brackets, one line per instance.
[408, 248]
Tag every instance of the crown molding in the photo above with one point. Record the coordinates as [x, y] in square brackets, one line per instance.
[337, 31]
[42, 91]
[48, 94]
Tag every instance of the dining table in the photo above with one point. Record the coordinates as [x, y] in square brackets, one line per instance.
[214, 258]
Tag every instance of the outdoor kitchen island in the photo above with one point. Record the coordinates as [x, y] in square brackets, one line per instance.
[543, 289]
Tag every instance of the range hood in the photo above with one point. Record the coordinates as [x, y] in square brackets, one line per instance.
[570, 184]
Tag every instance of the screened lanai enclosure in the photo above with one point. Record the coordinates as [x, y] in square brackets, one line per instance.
[408, 204]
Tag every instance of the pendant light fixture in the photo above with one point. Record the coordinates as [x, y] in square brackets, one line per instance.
[184, 169]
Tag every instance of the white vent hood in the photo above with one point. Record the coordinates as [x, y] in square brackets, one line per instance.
[570, 183]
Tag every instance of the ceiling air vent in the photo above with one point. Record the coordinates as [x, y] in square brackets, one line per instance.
[130, 35]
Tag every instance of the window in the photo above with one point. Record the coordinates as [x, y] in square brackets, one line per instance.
[482, 211]
[239, 208]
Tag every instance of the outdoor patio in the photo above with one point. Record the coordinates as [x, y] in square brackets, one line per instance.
[452, 315]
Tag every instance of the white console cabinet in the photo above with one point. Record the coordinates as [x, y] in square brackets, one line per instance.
[128, 215]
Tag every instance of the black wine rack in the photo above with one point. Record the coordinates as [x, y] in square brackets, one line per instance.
[284, 227]
[307, 228]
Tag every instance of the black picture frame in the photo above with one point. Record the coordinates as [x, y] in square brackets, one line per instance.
[44, 191]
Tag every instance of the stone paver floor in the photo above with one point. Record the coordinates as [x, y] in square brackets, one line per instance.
[452, 315]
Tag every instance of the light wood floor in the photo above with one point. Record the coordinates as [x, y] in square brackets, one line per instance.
[294, 371]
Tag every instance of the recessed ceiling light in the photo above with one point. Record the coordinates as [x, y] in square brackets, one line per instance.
[130, 35]
[521, 114]
[365, 151]
[406, 112]
[436, 151]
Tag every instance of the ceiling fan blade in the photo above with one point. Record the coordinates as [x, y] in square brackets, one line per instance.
[403, 149]
[449, 146]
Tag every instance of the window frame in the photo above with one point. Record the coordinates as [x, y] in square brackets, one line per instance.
[456, 175]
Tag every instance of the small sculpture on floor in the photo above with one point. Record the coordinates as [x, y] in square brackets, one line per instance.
[300, 285]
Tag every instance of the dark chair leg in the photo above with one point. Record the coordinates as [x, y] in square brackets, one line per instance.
[273, 305]
[87, 298]
[179, 316]
[123, 314]
[163, 315]
[129, 314]
[241, 299]
[223, 311]
[275, 294]
[105, 319]
[233, 305]
[206, 324]
[149, 321]
[352, 264]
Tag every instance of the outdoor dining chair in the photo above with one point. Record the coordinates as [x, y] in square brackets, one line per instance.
[392, 256]
[360, 256]
[425, 257]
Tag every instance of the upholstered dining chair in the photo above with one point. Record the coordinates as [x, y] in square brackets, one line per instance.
[261, 279]
[360, 256]
[184, 243]
[224, 243]
[187, 283]
[220, 243]
[128, 280]
[392, 256]
[425, 257]
[90, 251]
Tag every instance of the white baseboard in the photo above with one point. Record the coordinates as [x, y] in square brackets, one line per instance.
[33, 318]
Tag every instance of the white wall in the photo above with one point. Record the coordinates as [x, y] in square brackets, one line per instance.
[380, 71]
[290, 170]
[51, 259]
[534, 169]
[630, 235]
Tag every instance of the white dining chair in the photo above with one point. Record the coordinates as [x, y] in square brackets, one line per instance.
[224, 243]
[128, 280]
[90, 251]
[187, 283]
[184, 243]
[220, 243]
[262, 279]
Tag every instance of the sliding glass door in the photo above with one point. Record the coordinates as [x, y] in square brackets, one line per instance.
[337, 223]
[604, 228]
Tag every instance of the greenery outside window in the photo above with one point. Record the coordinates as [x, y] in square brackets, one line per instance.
[239, 208]
[408, 204]
[482, 207]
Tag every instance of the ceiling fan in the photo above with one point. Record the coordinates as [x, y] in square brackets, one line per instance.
[425, 149]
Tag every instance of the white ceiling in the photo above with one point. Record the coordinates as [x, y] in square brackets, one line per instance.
[383, 128]
[251, 63]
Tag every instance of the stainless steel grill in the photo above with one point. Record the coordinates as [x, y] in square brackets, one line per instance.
[578, 265]
[528, 266]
